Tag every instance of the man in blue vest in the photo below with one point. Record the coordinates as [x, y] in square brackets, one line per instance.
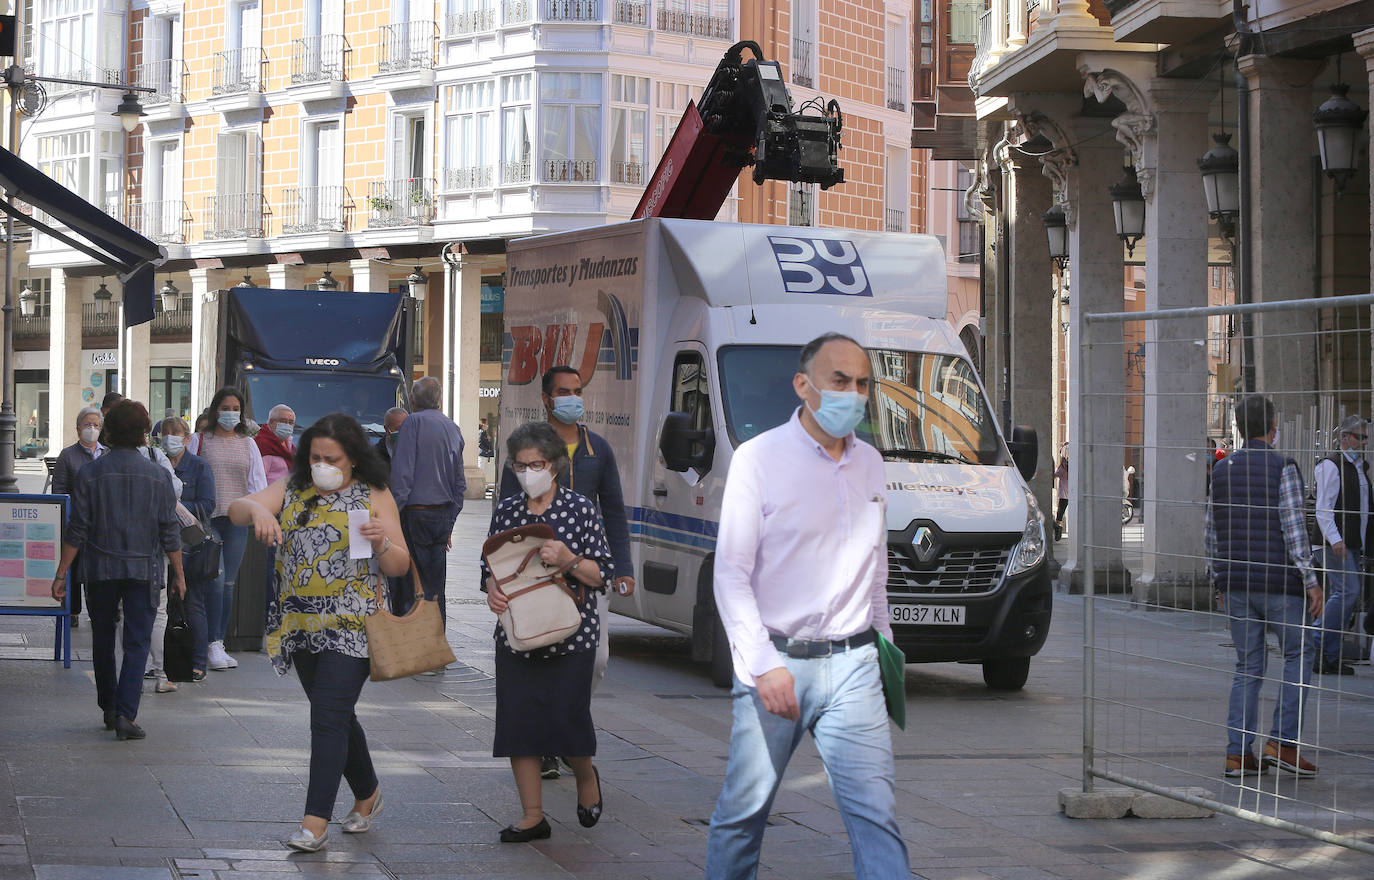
[1345, 502]
[1259, 556]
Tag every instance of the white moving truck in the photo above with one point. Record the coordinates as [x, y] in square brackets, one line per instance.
[687, 335]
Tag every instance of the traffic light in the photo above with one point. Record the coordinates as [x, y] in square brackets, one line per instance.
[9, 32]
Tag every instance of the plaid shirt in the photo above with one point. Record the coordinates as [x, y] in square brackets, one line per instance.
[1291, 517]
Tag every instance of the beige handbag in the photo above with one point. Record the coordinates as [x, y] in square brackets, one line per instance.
[542, 608]
[398, 647]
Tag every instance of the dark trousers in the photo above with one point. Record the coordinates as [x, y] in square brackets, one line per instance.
[198, 622]
[338, 746]
[427, 533]
[102, 599]
[1062, 506]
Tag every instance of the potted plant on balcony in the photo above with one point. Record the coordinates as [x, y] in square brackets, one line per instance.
[381, 204]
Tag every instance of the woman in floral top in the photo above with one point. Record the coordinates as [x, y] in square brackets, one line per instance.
[316, 622]
[544, 697]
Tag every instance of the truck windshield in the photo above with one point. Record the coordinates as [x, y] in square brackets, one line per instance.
[921, 406]
[312, 395]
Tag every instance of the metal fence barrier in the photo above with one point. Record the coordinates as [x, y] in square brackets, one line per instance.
[1156, 632]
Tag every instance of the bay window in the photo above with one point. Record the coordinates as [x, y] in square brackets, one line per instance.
[469, 125]
[570, 126]
[517, 128]
[629, 129]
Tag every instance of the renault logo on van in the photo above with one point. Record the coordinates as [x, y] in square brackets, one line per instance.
[923, 542]
[820, 265]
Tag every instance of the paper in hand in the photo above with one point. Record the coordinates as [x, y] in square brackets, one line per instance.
[359, 547]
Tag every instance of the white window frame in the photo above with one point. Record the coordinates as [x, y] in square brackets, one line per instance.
[629, 101]
[562, 158]
[897, 172]
[805, 26]
[402, 167]
[320, 208]
[516, 155]
[470, 136]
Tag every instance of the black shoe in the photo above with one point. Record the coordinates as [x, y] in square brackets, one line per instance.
[589, 816]
[76, 622]
[126, 729]
[110, 720]
[511, 834]
[1325, 668]
[548, 768]
[197, 675]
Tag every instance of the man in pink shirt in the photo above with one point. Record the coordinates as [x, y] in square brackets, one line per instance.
[275, 442]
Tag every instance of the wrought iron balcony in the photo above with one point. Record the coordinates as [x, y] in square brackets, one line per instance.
[572, 10]
[980, 55]
[476, 177]
[93, 323]
[236, 215]
[515, 172]
[569, 171]
[631, 173]
[693, 24]
[896, 89]
[408, 201]
[31, 326]
[478, 20]
[318, 59]
[164, 77]
[314, 209]
[174, 323]
[895, 220]
[516, 12]
[238, 71]
[802, 53]
[408, 45]
[630, 12]
[165, 222]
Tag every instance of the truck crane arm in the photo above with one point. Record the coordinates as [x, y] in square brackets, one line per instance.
[745, 118]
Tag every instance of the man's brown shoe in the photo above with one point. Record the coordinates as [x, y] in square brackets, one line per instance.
[1287, 758]
[1238, 766]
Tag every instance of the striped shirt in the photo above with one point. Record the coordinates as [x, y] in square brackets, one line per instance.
[236, 465]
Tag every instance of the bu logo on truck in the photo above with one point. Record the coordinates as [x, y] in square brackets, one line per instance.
[609, 345]
[820, 265]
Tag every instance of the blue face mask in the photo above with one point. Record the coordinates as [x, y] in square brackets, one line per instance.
[840, 411]
[229, 419]
[568, 409]
[283, 430]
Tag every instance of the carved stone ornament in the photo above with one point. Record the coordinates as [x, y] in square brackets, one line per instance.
[978, 196]
[1056, 163]
[1131, 126]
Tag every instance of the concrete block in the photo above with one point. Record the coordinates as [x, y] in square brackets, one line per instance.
[1103, 803]
[1154, 806]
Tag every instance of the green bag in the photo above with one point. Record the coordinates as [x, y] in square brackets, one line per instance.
[892, 667]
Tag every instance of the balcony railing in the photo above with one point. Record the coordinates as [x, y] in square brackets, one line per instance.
[166, 222]
[164, 78]
[236, 215]
[896, 88]
[476, 177]
[238, 71]
[572, 10]
[980, 55]
[631, 173]
[515, 172]
[630, 12]
[314, 209]
[693, 24]
[799, 208]
[516, 12]
[408, 201]
[896, 220]
[318, 59]
[569, 170]
[93, 323]
[85, 73]
[474, 22]
[802, 54]
[175, 323]
[408, 45]
[31, 326]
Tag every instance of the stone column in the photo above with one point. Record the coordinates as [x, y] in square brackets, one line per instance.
[64, 360]
[466, 313]
[1364, 44]
[135, 360]
[284, 277]
[1097, 273]
[1283, 257]
[1032, 314]
[370, 275]
[1174, 478]
[206, 368]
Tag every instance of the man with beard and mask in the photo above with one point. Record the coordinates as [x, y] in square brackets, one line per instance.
[275, 444]
[801, 588]
[391, 422]
[594, 475]
[1344, 503]
[427, 482]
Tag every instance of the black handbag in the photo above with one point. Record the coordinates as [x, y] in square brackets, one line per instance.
[200, 562]
[177, 643]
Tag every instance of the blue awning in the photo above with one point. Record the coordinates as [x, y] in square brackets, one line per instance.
[103, 238]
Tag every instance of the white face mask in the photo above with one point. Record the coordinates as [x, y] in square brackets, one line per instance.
[536, 483]
[173, 444]
[90, 434]
[1353, 455]
[326, 477]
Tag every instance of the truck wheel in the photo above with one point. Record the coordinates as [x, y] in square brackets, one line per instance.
[722, 664]
[1006, 674]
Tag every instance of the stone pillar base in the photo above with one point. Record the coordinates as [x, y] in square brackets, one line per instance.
[477, 482]
[1108, 577]
[1184, 590]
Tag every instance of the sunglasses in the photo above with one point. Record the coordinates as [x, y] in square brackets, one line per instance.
[304, 516]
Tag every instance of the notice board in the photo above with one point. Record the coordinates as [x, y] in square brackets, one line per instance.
[31, 531]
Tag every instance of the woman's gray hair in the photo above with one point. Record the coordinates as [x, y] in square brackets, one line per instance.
[174, 422]
[540, 436]
[87, 410]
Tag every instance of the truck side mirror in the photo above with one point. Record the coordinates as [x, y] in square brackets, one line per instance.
[1025, 450]
[683, 446]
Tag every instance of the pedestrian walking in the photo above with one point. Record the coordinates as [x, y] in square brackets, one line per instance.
[198, 497]
[317, 620]
[428, 484]
[237, 467]
[275, 444]
[544, 696]
[801, 589]
[155, 669]
[1260, 558]
[123, 518]
[391, 425]
[1061, 488]
[85, 450]
[594, 475]
[1344, 502]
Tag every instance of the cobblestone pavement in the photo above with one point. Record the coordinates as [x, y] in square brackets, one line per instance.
[220, 780]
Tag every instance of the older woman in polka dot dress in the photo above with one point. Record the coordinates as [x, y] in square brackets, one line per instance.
[544, 697]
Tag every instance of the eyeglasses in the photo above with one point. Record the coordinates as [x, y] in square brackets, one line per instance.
[521, 466]
[304, 516]
[1359, 436]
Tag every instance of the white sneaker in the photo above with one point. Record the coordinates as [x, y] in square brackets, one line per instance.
[228, 658]
[216, 656]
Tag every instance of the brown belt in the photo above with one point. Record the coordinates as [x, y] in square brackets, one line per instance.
[425, 506]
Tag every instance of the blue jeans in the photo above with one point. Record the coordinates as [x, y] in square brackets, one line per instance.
[338, 746]
[1251, 614]
[120, 692]
[1343, 592]
[219, 600]
[427, 533]
[841, 701]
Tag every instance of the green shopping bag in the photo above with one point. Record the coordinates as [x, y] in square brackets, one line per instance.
[892, 666]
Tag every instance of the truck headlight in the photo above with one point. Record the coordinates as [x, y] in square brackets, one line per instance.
[1030, 551]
